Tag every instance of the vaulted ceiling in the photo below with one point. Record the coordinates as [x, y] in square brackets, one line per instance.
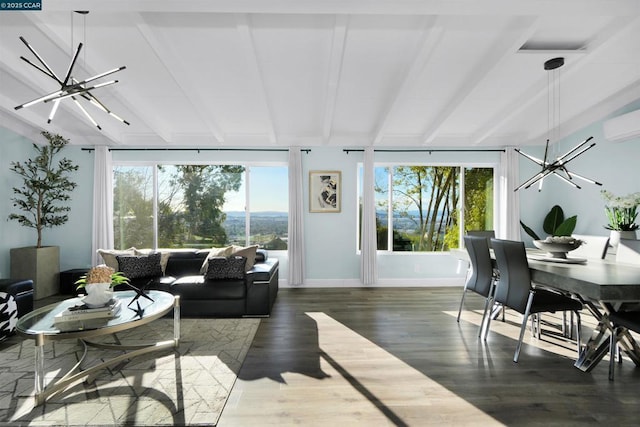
[263, 73]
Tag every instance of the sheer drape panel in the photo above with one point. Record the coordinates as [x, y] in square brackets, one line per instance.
[296, 220]
[102, 233]
[368, 262]
[509, 209]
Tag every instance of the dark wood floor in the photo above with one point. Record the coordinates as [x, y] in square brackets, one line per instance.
[390, 356]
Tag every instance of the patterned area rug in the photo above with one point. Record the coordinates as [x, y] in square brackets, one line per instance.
[184, 386]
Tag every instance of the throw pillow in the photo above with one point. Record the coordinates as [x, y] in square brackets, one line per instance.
[221, 268]
[215, 252]
[248, 252]
[109, 256]
[135, 267]
[164, 256]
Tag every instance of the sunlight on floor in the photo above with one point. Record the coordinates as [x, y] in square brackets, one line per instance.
[551, 339]
[386, 382]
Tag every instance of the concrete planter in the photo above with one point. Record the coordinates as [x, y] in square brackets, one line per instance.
[42, 265]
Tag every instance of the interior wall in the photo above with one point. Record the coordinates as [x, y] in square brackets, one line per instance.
[614, 164]
[331, 248]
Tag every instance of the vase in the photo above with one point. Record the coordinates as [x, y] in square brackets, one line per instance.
[616, 235]
[98, 294]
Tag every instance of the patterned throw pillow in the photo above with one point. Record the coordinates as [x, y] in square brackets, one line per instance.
[8, 315]
[135, 267]
[215, 252]
[220, 268]
[109, 256]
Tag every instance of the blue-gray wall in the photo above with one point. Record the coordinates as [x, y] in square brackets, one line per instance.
[332, 258]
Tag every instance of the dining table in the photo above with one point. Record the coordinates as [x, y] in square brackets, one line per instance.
[602, 285]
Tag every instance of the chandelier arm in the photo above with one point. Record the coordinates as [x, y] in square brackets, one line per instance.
[576, 148]
[71, 65]
[541, 175]
[43, 98]
[535, 178]
[99, 76]
[41, 60]
[97, 103]
[566, 180]
[56, 103]
[37, 67]
[71, 91]
[86, 113]
[584, 149]
[584, 178]
[533, 159]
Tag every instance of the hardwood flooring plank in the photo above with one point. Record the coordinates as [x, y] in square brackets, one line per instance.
[397, 356]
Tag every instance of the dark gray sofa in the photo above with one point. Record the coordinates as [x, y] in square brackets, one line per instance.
[252, 296]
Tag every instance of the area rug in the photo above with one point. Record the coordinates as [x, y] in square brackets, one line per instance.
[184, 386]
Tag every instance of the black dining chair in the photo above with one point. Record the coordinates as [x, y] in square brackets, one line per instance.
[487, 234]
[514, 289]
[480, 278]
[619, 320]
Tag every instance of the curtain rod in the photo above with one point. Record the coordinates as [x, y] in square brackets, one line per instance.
[306, 150]
[425, 150]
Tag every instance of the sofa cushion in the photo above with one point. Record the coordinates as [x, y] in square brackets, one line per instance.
[223, 268]
[213, 253]
[164, 256]
[198, 288]
[134, 267]
[109, 256]
[248, 252]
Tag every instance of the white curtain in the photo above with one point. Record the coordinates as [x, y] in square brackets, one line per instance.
[296, 218]
[102, 235]
[368, 264]
[509, 214]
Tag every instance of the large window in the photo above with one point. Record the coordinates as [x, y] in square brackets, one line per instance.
[419, 209]
[200, 206]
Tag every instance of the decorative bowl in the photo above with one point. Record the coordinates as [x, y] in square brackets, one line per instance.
[557, 249]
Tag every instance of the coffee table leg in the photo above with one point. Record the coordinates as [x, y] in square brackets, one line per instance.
[176, 320]
[39, 368]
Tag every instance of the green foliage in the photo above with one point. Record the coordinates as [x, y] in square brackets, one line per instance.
[189, 210]
[554, 224]
[117, 278]
[46, 187]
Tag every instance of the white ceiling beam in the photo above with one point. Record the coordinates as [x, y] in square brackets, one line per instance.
[333, 79]
[500, 52]
[431, 36]
[177, 71]
[365, 7]
[242, 26]
[539, 89]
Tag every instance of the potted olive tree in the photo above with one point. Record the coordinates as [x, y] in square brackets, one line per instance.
[41, 200]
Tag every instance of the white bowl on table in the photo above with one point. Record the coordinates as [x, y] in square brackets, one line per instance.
[557, 249]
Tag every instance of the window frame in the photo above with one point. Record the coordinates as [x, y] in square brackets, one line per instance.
[390, 165]
[155, 163]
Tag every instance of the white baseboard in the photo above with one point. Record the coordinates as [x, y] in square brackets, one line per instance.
[382, 283]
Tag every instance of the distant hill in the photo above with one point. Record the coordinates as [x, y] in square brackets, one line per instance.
[254, 214]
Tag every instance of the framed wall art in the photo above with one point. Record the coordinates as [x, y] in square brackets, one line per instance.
[325, 189]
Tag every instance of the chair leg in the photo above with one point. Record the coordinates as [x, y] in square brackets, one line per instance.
[487, 303]
[523, 327]
[578, 327]
[464, 292]
[612, 353]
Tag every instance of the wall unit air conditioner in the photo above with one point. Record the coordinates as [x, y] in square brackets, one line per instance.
[623, 127]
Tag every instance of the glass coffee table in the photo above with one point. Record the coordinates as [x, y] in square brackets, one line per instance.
[135, 311]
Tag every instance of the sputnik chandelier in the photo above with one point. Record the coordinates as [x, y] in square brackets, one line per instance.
[71, 87]
[558, 167]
